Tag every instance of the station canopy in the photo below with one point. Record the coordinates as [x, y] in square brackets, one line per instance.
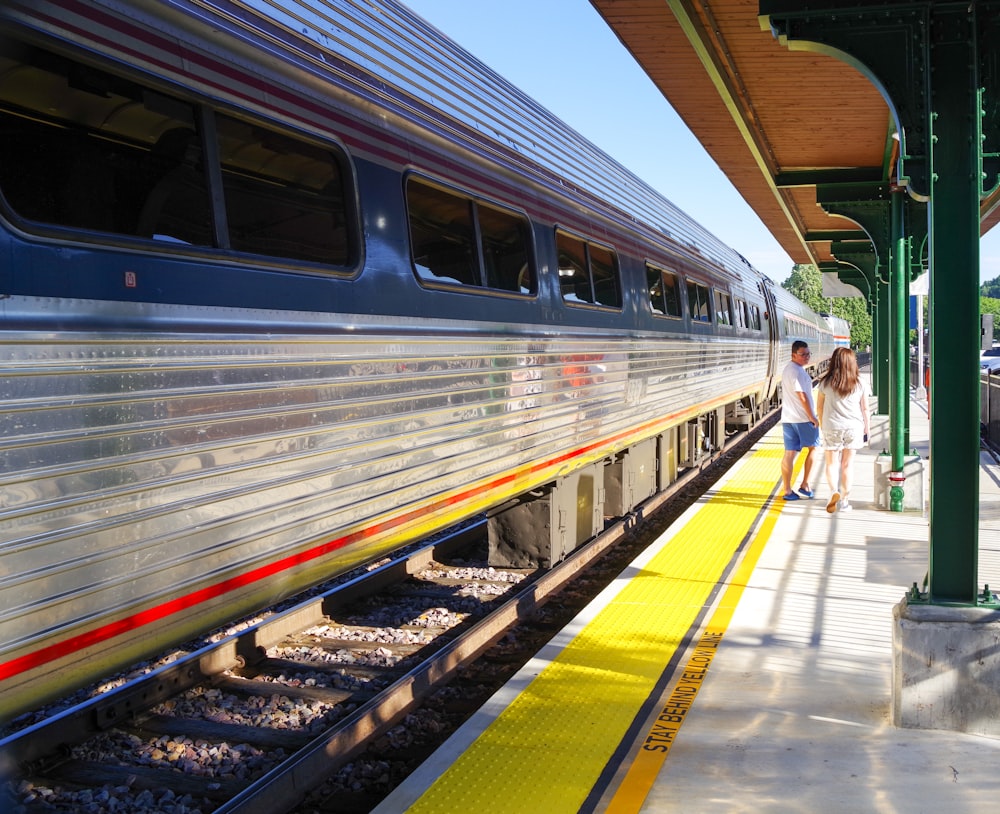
[778, 122]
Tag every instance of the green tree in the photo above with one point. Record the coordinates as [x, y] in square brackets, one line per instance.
[991, 305]
[991, 288]
[806, 283]
[855, 311]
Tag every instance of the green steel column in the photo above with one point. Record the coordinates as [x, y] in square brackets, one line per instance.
[907, 446]
[931, 59]
[876, 381]
[881, 340]
[899, 347]
[954, 309]
[916, 251]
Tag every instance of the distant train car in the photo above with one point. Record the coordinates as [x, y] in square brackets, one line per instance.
[841, 330]
[286, 288]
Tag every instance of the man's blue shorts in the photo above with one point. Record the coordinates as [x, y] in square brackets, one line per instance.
[798, 436]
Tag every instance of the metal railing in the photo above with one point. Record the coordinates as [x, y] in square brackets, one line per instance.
[989, 407]
[916, 379]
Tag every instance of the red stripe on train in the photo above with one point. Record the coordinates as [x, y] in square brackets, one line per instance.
[69, 646]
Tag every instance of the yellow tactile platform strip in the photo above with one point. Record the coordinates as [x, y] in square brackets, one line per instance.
[549, 746]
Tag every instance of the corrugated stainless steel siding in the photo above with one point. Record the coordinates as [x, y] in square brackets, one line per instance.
[194, 457]
[400, 49]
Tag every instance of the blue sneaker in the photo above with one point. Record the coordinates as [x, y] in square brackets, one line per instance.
[807, 493]
[790, 496]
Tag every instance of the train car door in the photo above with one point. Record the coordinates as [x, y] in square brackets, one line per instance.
[771, 317]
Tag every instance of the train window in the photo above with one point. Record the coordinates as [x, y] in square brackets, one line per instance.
[604, 272]
[442, 237]
[89, 150]
[740, 312]
[176, 206]
[664, 291]
[98, 152]
[504, 238]
[699, 302]
[445, 248]
[754, 318]
[723, 315]
[574, 279]
[588, 273]
[284, 197]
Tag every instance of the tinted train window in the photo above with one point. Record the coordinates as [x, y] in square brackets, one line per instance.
[87, 149]
[754, 318]
[699, 302]
[604, 272]
[740, 312]
[664, 291]
[588, 273]
[176, 206]
[722, 312]
[574, 276]
[284, 197]
[504, 237]
[445, 248]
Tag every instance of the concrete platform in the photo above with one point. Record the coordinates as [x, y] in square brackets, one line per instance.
[795, 714]
[781, 703]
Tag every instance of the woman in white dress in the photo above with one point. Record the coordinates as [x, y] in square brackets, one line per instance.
[842, 406]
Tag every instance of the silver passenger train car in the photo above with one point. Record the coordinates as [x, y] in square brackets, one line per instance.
[840, 328]
[286, 286]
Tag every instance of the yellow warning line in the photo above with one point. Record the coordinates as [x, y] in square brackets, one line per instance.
[660, 738]
[546, 751]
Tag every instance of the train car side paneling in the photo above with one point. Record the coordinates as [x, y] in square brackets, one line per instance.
[206, 409]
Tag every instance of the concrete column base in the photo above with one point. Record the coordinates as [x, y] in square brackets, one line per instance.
[946, 668]
[913, 489]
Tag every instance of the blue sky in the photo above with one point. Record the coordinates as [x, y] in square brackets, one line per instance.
[562, 54]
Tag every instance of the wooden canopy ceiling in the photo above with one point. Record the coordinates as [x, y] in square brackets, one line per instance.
[776, 121]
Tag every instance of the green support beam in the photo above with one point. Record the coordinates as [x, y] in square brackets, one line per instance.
[882, 316]
[844, 234]
[954, 307]
[863, 257]
[937, 64]
[899, 353]
[810, 178]
[868, 205]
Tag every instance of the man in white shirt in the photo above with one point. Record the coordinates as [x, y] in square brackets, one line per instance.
[799, 423]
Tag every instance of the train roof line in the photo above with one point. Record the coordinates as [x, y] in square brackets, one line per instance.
[424, 67]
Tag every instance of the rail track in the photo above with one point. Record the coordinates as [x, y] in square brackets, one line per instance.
[259, 720]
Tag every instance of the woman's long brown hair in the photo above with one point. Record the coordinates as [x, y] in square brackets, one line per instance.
[842, 375]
